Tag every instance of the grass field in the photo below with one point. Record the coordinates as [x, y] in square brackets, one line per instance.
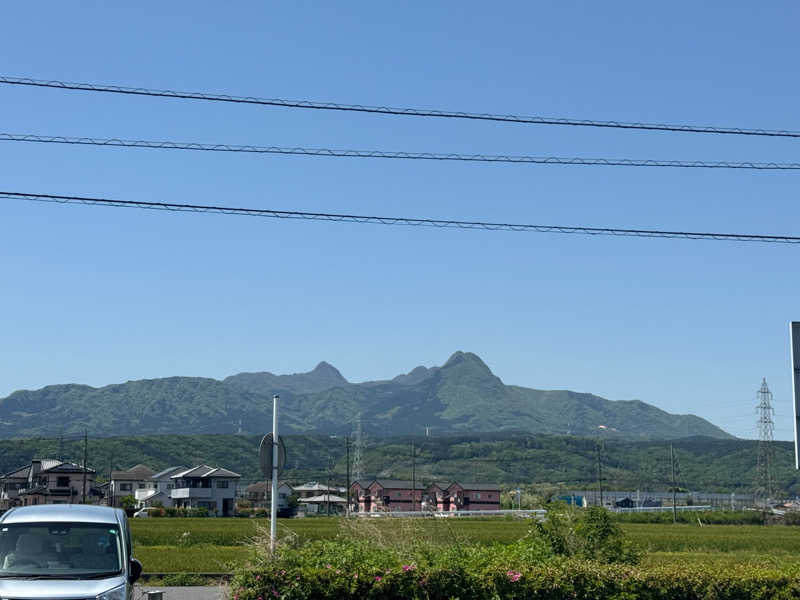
[213, 545]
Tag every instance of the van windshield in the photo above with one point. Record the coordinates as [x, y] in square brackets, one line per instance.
[60, 549]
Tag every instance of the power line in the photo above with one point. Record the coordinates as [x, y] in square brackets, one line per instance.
[388, 110]
[402, 155]
[338, 217]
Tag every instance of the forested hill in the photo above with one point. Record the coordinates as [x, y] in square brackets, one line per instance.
[702, 464]
[463, 395]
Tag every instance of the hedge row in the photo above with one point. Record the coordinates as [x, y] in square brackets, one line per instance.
[565, 580]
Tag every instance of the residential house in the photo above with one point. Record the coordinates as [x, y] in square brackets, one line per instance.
[48, 481]
[397, 495]
[11, 484]
[259, 495]
[157, 488]
[436, 497]
[472, 496]
[392, 495]
[127, 483]
[360, 496]
[312, 488]
[324, 504]
[207, 487]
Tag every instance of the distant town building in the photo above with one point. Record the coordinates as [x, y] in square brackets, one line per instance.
[259, 495]
[574, 500]
[324, 504]
[393, 495]
[451, 497]
[312, 488]
[397, 495]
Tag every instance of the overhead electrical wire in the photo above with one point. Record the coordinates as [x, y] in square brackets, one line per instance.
[407, 221]
[400, 155]
[389, 110]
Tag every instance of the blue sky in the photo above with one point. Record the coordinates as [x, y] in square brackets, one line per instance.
[99, 295]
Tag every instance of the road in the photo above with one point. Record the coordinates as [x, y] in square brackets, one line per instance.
[211, 592]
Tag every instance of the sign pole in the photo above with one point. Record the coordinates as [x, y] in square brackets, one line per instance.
[794, 334]
[273, 513]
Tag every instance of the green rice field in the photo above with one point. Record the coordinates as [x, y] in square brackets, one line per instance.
[213, 545]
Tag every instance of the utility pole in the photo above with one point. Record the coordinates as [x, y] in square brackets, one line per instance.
[599, 474]
[273, 512]
[110, 484]
[328, 495]
[413, 478]
[674, 488]
[85, 453]
[347, 462]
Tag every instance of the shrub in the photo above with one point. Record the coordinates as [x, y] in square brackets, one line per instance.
[185, 512]
[589, 534]
[561, 580]
[792, 518]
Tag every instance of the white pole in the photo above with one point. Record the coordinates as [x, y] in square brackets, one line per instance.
[273, 513]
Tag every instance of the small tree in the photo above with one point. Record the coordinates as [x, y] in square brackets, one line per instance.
[128, 502]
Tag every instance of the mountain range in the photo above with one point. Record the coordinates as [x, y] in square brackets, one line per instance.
[461, 396]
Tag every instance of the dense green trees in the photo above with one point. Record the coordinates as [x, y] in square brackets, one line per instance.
[540, 464]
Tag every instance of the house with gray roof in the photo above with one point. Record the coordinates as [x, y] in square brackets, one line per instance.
[48, 481]
[127, 483]
[157, 488]
[213, 488]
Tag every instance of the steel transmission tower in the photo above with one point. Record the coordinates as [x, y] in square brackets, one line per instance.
[765, 437]
[358, 448]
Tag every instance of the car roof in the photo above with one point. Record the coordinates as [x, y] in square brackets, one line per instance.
[62, 513]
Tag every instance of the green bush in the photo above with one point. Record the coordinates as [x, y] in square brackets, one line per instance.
[589, 534]
[569, 579]
[184, 512]
[792, 518]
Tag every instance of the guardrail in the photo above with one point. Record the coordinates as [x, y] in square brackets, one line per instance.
[656, 509]
[455, 513]
[539, 513]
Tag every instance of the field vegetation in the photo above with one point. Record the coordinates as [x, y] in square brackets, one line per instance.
[572, 554]
[215, 545]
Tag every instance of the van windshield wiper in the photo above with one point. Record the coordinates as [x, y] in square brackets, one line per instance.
[37, 576]
[102, 575]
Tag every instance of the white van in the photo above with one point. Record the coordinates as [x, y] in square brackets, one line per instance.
[66, 552]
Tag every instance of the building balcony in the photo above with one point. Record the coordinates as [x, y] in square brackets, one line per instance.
[145, 494]
[184, 493]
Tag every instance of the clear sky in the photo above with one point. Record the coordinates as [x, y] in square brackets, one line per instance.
[100, 295]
